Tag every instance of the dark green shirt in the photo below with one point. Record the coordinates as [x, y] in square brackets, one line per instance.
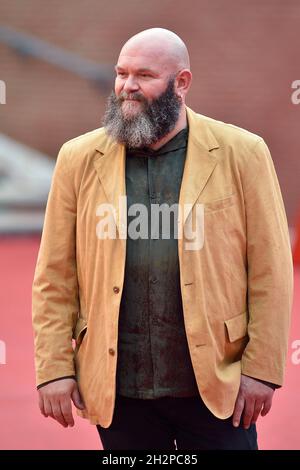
[153, 355]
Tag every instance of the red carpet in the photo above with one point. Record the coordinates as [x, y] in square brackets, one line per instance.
[22, 426]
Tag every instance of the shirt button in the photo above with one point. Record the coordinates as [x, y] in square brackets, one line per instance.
[154, 280]
[111, 351]
[116, 290]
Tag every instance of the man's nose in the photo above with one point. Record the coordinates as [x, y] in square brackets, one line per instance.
[130, 84]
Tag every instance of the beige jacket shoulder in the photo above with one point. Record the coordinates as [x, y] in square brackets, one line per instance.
[236, 288]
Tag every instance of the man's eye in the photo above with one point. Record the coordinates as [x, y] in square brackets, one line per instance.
[121, 74]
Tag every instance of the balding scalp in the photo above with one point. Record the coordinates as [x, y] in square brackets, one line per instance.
[163, 42]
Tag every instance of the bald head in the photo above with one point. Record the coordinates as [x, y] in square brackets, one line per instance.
[161, 45]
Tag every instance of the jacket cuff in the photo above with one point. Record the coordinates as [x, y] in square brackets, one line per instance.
[55, 380]
[269, 384]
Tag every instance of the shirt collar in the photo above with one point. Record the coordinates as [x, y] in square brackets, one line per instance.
[177, 142]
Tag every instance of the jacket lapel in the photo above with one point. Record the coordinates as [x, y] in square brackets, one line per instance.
[110, 167]
[199, 163]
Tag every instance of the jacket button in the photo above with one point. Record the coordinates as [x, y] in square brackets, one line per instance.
[116, 290]
[111, 351]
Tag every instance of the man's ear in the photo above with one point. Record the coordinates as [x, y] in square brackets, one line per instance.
[183, 82]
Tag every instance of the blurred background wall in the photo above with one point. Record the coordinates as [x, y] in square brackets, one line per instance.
[56, 60]
[244, 55]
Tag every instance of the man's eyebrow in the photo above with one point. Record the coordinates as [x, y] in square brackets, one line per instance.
[145, 69]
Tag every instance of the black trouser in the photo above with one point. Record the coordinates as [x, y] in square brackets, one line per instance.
[157, 424]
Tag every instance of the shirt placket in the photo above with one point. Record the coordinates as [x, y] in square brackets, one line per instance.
[153, 280]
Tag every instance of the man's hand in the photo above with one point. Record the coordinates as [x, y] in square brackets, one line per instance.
[252, 397]
[55, 401]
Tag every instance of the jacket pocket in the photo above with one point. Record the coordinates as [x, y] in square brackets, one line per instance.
[219, 204]
[236, 337]
[237, 327]
[79, 332]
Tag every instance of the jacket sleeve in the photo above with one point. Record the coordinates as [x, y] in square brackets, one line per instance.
[55, 302]
[270, 270]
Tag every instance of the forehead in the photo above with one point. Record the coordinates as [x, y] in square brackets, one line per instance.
[152, 58]
[136, 64]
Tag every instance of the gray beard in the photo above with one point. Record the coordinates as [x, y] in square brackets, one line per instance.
[152, 123]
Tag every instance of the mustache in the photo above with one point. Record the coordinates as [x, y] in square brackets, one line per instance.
[136, 96]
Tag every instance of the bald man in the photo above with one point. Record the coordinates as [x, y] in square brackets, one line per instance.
[179, 344]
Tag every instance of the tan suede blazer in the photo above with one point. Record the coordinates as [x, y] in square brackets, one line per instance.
[236, 289]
